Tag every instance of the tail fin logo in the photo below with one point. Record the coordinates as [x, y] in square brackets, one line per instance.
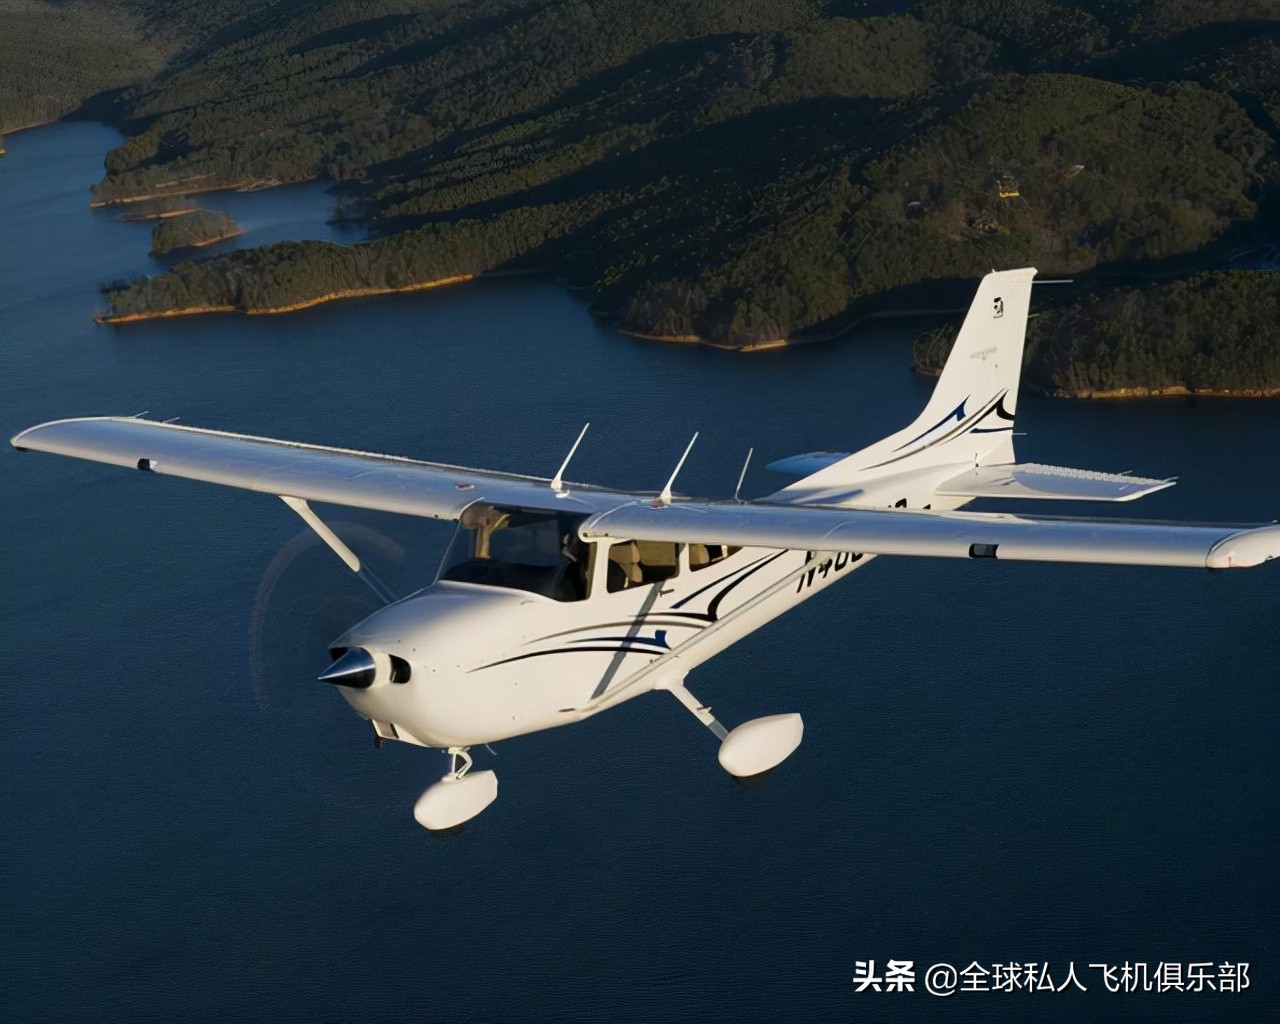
[997, 308]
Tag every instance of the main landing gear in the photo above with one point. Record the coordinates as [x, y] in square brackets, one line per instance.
[752, 748]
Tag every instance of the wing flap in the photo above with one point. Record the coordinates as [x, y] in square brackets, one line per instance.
[1051, 483]
[315, 473]
[940, 534]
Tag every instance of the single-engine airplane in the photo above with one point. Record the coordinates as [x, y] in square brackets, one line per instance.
[556, 601]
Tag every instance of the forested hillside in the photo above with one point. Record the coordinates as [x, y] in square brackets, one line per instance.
[55, 56]
[1211, 333]
[731, 170]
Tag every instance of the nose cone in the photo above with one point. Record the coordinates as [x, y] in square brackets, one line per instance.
[355, 669]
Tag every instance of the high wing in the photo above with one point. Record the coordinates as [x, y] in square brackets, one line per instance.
[939, 534]
[311, 472]
[387, 483]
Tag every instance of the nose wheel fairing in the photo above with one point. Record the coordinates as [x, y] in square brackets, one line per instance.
[458, 797]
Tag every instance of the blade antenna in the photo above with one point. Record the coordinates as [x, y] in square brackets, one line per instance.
[557, 481]
[665, 497]
[737, 491]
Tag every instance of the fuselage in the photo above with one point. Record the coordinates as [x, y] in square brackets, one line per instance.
[494, 649]
[488, 663]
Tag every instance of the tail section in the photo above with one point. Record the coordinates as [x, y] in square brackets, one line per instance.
[969, 418]
[979, 383]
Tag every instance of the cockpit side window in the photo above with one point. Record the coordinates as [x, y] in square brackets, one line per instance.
[522, 549]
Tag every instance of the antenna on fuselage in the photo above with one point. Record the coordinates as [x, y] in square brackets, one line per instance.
[665, 497]
[737, 491]
[557, 481]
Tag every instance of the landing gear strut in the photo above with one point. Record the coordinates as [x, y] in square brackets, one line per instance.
[462, 762]
[459, 796]
[754, 747]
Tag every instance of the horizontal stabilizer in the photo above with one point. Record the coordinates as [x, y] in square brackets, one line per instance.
[1048, 483]
[809, 462]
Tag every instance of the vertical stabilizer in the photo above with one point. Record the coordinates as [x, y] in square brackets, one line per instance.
[969, 418]
[986, 361]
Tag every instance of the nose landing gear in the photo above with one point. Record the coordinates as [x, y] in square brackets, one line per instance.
[459, 796]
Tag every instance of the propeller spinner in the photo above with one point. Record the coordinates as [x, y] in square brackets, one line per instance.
[356, 669]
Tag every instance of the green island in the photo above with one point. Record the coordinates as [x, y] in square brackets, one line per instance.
[742, 173]
[1216, 333]
[191, 230]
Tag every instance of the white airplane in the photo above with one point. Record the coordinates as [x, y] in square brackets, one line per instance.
[557, 601]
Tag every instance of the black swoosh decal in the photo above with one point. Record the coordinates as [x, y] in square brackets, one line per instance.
[570, 650]
[956, 431]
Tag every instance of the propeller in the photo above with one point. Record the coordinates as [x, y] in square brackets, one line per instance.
[303, 601]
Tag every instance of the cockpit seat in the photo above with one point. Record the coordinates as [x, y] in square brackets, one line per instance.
[657, 559]
[626, 556]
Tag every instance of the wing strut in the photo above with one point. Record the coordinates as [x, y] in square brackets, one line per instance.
[339, 548]
[666, 661]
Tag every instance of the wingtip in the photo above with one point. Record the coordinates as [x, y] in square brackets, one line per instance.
[1246, 549]
[48, 427]
[23, 439]
[16, 440]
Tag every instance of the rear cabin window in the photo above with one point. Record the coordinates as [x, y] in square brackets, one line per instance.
[519, 549]
[703, 555]
[636, 563]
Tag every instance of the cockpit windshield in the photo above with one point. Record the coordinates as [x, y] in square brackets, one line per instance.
[521, 549]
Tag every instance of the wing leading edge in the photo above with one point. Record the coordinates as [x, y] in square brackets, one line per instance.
[311, 472]
[941, 534]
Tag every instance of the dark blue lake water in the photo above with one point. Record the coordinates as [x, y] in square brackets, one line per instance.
[1002, 762]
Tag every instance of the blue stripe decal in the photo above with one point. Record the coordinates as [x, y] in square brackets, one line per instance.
[659, 639]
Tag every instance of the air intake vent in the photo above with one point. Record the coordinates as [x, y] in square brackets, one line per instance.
[400, 670]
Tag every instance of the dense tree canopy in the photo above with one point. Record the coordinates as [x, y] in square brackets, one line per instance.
[191, 230]
[1214, 332]
[733, 170]
[54, 56]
